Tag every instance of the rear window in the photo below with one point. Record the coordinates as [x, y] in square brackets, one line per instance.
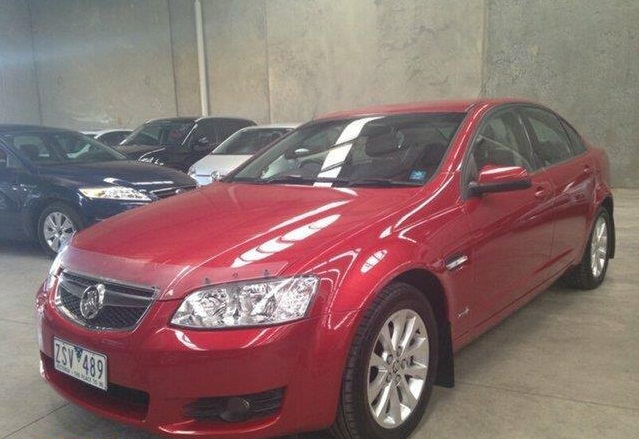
[166, 133]
[249, 142]
[552, 144]
[575, 139]
[227, 127]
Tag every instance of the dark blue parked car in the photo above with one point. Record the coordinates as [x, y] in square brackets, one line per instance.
[54, 182]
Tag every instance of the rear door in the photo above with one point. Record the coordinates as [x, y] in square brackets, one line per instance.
[569, 168]
[512, 231]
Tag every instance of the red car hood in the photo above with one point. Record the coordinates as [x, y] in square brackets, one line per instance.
[225, 232]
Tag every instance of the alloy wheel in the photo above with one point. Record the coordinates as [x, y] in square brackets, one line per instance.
[398, 368]
[57, 230]
[599, 247]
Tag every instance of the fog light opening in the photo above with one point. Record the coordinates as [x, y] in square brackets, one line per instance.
[237, 409]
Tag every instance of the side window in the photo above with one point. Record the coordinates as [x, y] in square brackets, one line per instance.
[228, 127]
[112, 138]
[9, 161]
[550, 141]
[575, 139]
[205, 128]
[501, 141]
[33, 147]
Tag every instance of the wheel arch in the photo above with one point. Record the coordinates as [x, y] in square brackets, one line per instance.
[434, 291]
[38, 206]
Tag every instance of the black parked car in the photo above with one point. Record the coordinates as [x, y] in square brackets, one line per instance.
[179, 142]
[54, 182]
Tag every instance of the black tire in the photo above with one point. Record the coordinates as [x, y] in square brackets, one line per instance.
[582, 276]
[64, 209]
[354, 418]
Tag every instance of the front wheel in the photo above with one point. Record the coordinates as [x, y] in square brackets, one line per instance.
[391, 367]
[56, 225]
[591, 271]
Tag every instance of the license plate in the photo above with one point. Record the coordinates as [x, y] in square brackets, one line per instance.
[80, 363]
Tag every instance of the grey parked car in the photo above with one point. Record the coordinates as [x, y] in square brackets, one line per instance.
[236, 150]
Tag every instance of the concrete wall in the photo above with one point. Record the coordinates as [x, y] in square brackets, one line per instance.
[18, 88]
[101, 63]
[236, 56]
[184, 50]
[580, 57]
[284, 60]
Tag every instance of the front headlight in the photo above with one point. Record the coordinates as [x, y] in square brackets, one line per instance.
[54, 270]
[114, 193]
[252, 303]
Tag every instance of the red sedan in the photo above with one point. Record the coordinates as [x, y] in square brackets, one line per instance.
[327, 282]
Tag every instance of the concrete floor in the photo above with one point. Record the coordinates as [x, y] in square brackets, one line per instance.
[565, 366]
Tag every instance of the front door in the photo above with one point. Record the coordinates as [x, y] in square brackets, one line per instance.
[11, 196]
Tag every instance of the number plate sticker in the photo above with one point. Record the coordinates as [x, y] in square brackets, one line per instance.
[80, 363]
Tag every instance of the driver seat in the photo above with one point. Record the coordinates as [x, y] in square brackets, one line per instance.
[31, 151]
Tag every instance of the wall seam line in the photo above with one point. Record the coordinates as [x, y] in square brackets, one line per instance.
[35, 64]
[484, 51]
[175, 92]
[268, 64]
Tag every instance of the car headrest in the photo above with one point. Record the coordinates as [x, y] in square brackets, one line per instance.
[433, 154]
[30, 150]
[383, 144]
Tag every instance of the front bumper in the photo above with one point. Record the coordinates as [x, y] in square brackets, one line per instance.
[98, 210]
[156, 372]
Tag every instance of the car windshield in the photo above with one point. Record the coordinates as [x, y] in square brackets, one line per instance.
[164, 132]
[60, 147]
[382, 151]
[248, 142]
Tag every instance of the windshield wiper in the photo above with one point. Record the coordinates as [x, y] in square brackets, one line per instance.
[383, 182]
[291, 178]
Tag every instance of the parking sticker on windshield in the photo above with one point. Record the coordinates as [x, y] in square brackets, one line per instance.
[418, 176]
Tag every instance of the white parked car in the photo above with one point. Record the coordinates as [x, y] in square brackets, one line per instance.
[236, 150]
[111, 137]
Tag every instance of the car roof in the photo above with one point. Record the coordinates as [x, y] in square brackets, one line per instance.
[193, 119]
[457, 106]
[8, 128]
[273, 126]
[105, 131]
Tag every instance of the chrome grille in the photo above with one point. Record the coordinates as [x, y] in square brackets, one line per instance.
[123, 305]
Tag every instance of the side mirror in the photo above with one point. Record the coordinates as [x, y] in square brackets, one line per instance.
[500, 179]
[297, 153]
[201, 143]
